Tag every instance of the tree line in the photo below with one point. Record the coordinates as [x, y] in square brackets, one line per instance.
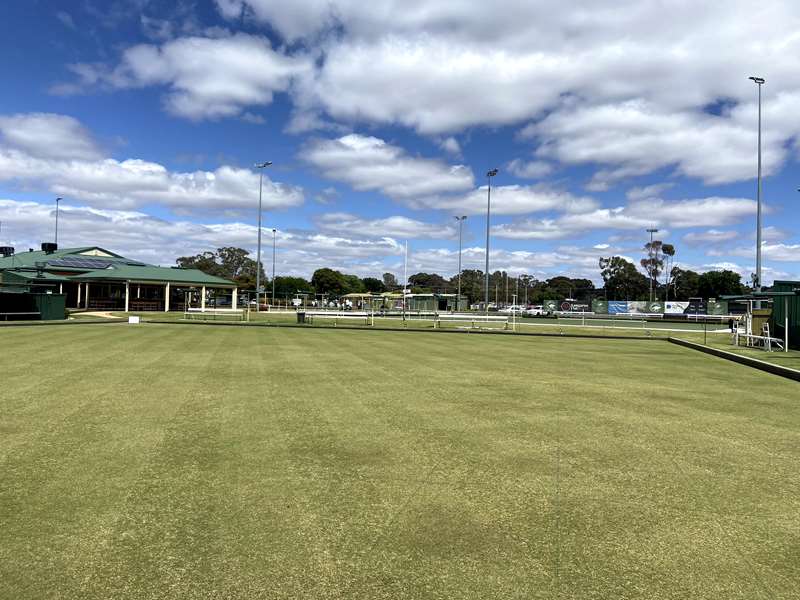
[621, 280]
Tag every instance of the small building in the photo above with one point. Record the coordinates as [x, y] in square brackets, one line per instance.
[786, 311]
[95, 278]
[783, 317]
[435, 302]
[393, 301]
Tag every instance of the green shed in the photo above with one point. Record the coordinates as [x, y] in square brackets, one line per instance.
[783, 303]
[20, 305]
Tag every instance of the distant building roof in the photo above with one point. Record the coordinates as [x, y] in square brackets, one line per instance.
[148, 273]
[92, 263]
[68, 257]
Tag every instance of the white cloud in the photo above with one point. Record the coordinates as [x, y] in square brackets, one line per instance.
[133, 182]
[33, 155]
[777, 252]
[571, 261]
[443, 52]
[637, 93]
[48, 135]
[650, 191]
[159, 241]
[509, 200]
[451, 146]
[619, 90]
[369, 163]
[640, 214]
[395, 227]
[208, 77]
[66, 19]
[535, 169]
[711, 236]
[636, 138]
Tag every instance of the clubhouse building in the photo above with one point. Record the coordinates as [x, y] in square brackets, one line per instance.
[93, 278]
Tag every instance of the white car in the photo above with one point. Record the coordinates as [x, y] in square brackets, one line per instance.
[510, 310]
[535, 311]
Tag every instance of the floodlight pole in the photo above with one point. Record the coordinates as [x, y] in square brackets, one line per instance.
[460, 229]
[405, 280]
[57, 201]
[489, 176]
[273, 264]
[260, 167]
[759, 81]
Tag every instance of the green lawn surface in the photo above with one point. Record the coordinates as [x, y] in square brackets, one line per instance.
[166, 461]
[597, 327]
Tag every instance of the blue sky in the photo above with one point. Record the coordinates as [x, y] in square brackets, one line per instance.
[382, 120]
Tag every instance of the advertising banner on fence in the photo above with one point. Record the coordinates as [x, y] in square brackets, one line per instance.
[717, 307]
[637, 306]
[600, 307]
[616, 307]
[675, 308]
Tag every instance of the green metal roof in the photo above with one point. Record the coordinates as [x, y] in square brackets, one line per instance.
[119, 269]
[29, 275]
[29, 259]
[125, 272]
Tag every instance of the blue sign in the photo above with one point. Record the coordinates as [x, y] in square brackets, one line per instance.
[616, 307]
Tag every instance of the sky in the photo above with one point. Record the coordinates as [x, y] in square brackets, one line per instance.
[603, 118]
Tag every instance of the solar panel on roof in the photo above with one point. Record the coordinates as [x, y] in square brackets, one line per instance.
[81, 263]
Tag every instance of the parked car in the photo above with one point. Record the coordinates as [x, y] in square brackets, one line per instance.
[513, 309]
[536, 310]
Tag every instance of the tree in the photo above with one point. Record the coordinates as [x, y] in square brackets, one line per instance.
[289, 286]
[353, 284]
[329, 282]
[560, 287]
[622, 280]
[654, 263]
[373, 285]
[713, 284]
[430, 282]
[229, 262]
[685, 283]
[390, 281]
[236, 262]
[669, 259]
[471, 284]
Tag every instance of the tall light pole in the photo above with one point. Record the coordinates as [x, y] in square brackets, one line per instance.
[759, 81]
[460, 229]
[57, 201]
[274, 231]
[260, 167]
[489, 176]
[650, 256]
[405, 280]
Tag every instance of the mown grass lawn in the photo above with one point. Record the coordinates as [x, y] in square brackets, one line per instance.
[170, 461]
